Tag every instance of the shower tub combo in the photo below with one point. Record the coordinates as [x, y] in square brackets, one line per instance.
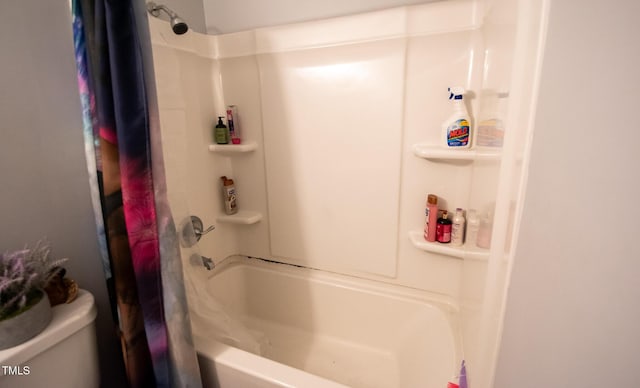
[322, 329]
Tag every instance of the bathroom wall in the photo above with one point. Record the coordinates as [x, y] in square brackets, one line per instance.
[301, 94]
[336, 109]
[572, 310]
[187, 108]
[45, 188]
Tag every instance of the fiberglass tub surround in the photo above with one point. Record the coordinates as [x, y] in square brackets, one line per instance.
[352, 331]
[331, 115]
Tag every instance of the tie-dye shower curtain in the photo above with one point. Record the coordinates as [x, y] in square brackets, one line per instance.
[140, 250]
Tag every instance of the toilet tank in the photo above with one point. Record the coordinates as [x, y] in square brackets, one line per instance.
[65, 354]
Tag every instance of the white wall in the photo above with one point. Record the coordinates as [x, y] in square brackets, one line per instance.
[572, 312]
[44, 189]
[253, 71]
[241, 15]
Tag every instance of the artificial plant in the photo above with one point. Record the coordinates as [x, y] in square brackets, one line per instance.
[23, 276]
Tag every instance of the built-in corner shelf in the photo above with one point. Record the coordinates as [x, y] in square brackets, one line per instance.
[230, 149]
[242, 217]
[463, 252]
[432, 152]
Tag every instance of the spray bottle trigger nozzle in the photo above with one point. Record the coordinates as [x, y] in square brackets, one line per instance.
[455, 92]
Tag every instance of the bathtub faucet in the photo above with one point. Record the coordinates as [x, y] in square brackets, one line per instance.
[208, 263]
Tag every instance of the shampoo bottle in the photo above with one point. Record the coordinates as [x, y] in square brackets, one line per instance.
[473, 225]
[484, 232]
[457, 230]
[234, 126]
[431, 218]
[229, 196]
[221, 132]
[443, 230]
[456, 129]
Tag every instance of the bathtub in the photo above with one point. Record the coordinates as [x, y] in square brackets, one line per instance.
[322, 329]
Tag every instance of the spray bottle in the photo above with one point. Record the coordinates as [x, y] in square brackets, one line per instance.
[456, 130]
[489, 131]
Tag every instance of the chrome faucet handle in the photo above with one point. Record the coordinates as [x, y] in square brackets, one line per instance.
[192, 230]
[200, 233]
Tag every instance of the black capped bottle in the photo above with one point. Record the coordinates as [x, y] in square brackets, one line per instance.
[221, 132]
[443, 229]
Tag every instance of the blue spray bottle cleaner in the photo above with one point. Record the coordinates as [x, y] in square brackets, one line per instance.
[456, 130]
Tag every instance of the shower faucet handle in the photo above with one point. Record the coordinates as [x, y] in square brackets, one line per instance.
[198, 227]
[200, 233]
[191, 231]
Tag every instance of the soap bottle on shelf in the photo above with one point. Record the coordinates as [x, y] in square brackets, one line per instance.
[457, 229]
[473, 225]
[221, 132]
[229, 196]
[431, 218]
[234, 126]
[456, 130]
[489, 131]
[484, 232]
[443, 229]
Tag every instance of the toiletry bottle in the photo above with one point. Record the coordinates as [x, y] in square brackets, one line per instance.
[489, 131]
[234, 127]
[473, 224]
[484, 232]
[221, 132]
[443, 230]
[431, 218]
[457, 229]
[229, 196]
[456, 129]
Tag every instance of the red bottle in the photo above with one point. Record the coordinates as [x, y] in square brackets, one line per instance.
[443, 229]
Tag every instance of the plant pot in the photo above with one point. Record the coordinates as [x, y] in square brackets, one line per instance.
[26, 325]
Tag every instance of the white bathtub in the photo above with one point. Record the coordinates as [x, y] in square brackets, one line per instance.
[328, 330]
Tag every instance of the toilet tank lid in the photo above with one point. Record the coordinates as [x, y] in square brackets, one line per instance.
[67, 320]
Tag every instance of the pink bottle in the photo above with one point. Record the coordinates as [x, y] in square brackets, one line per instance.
[431, 218]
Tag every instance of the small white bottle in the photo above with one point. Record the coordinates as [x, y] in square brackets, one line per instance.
[473, 225]
[485, 230]
[457, 230]
[456, 130]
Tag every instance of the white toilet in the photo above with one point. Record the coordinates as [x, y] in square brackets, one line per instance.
[65, 354]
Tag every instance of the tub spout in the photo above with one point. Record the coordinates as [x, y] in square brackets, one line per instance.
[208, 263]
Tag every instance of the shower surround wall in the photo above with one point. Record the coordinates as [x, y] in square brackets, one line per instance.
[336, 109]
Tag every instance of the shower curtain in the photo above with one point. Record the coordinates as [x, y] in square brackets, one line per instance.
[136, 232]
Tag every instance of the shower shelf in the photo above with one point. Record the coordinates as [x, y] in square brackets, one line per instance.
[432, 152]
[233, 148]
[463, 252]
[242, 217]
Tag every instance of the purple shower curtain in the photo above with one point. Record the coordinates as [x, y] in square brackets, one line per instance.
[141, 254]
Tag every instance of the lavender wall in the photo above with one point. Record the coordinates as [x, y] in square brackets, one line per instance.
[44, 189]
[572, 313]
